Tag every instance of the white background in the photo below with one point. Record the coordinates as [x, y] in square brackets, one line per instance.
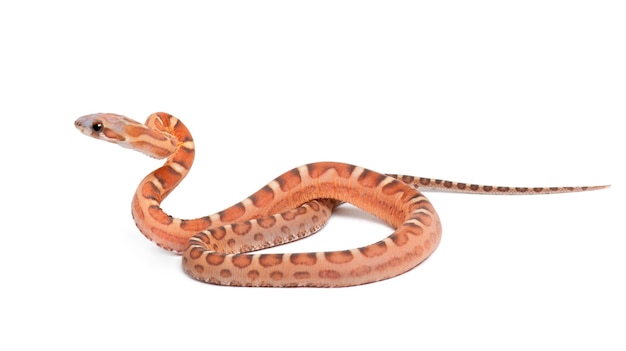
[491, 92]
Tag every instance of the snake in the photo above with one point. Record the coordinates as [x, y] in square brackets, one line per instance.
[220, 248]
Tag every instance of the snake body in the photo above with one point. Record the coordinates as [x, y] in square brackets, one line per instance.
[215, 248]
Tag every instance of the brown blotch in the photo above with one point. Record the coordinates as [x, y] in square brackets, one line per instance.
[394, 188]
[461, 186]
[184, 157]
[285, 230]
[329, 274]
[231, 243]
[263, 197]
[301, 210]
[289, 180]
[215, 259]
[487, 188]
[307, 259]
[195, 253]
[289, 215]
[317, 169]
[267, 222]
[269, 260]
[167, 176]
[474, 187]
[396, 261]
[339, 257]
[258, 237]
[253, 274]
[503, 189]
[150, 191]
[242, 228]
[435, 237]
[370, 179]
[242, 261]
[448, 184]
[399, 238]
[276, 275]
[424, 181]
[374, 250]
[361, 271]
[419, 251]
[415, 230]
[195, 225]
[198, 268]
[521, 190]
[315, 205]
[157, 213]
[232, 213]
[302, 275]
[218, 233]
[537, 190]
[225, 273]
[407, 179]
[179, 130]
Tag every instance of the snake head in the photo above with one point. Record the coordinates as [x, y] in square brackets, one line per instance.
[127, 133]
[103, 126]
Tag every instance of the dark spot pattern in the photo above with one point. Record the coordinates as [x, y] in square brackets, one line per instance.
[307, 259]
[339, 257]
[238, 227]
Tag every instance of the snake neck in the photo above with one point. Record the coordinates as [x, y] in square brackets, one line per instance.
[149, 217]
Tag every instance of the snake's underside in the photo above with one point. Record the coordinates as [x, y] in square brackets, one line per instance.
[216, 248]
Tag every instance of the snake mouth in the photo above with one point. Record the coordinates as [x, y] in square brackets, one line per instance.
[82, 125]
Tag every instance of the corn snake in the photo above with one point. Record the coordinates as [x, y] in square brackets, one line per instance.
[215, 248]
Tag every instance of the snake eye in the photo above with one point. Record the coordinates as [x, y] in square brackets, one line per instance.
[97, 127]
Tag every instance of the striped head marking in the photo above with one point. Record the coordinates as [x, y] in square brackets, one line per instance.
[127, 133]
